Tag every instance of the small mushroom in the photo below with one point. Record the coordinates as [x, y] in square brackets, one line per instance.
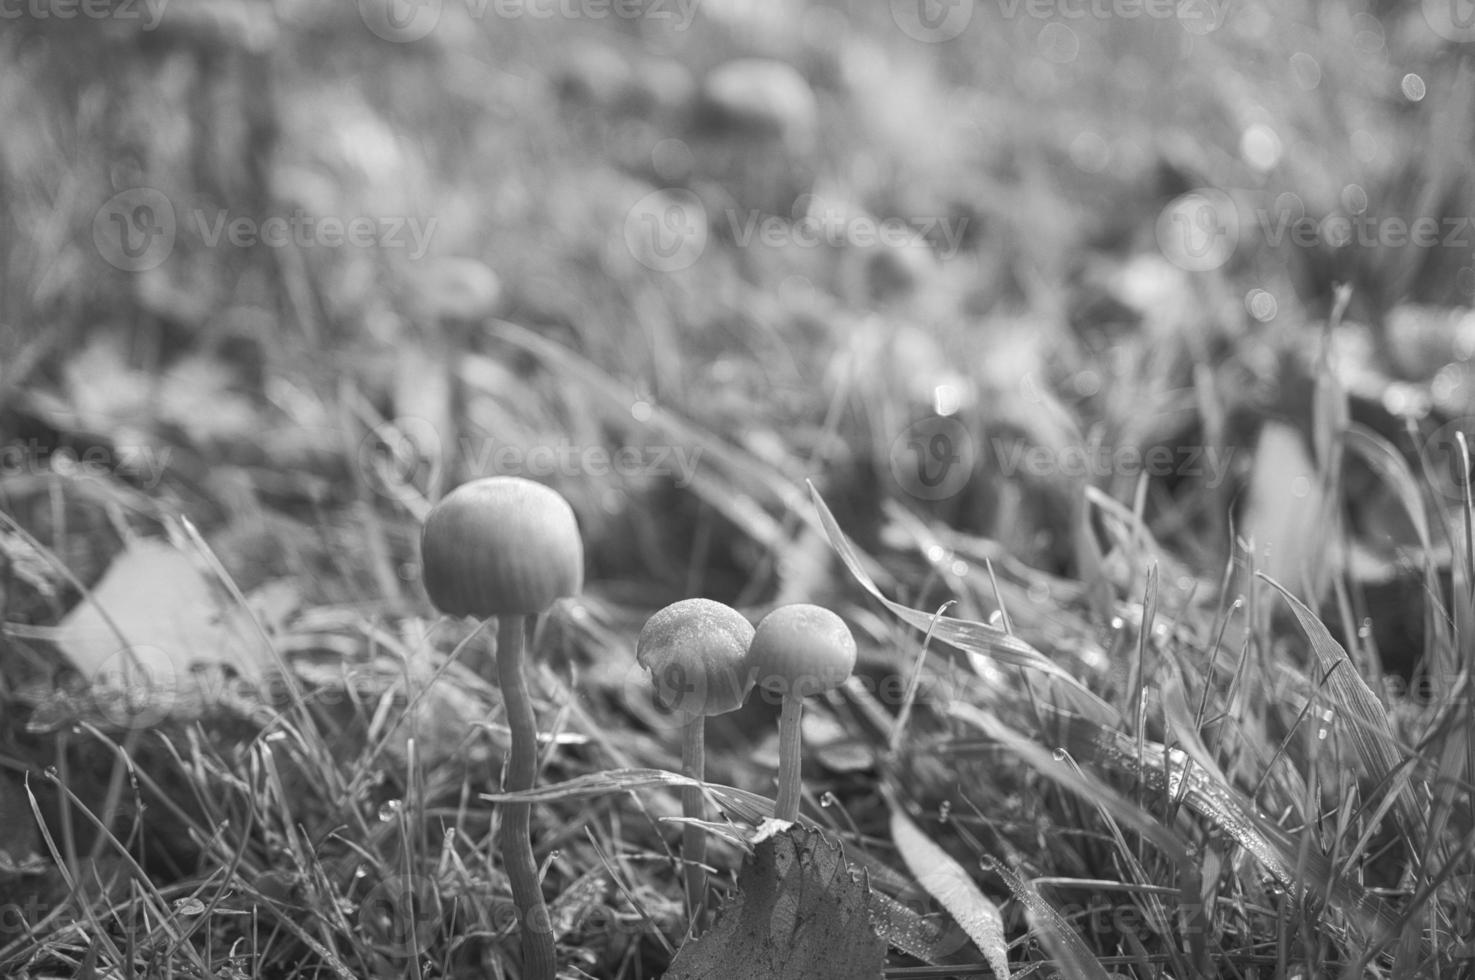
[505, 549]
[798, 651]
[696, 651]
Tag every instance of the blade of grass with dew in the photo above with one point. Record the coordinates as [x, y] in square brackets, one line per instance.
[945, 880]
[1088, 787]
[1354, 701]
[1064, 944]
[1275, 848]
[961, 633]
[749, 806]
[1390, 466]
[909, 932]
[1092, 745]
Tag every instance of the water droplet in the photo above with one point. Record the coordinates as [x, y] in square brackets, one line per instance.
[1060, 755]
[828, 799]
[1321, 734]
[388, 810]
[52, 772]
[944, 811]
[361, 872]
[189, 906]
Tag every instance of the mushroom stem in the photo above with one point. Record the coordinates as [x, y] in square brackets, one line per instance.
[538, 961]
[792, 712]
[694, 839]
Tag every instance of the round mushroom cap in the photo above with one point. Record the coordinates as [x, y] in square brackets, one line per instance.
[697, 653]
[501, 546]
[801, 650]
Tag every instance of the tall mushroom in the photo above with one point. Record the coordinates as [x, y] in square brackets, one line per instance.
[798, 651]
[696, 651]
[504, 549]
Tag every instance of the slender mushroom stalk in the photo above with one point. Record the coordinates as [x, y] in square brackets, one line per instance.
[696, 651]
[798, 651]
[504, 549]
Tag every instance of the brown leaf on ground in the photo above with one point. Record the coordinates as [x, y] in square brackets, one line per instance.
[800, 914]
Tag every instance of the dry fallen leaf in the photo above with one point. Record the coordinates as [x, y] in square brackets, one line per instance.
[800, 914]
[148, 626]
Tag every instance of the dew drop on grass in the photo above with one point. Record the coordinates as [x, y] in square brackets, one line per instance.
[1060, 755]
[828, 799]
[361, 872]
[388, 810]
[944, 811]
[189, 906]
[52, 772]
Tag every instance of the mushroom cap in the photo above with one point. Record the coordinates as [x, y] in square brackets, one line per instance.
[501, 546]
[697, 653]
[801, 650]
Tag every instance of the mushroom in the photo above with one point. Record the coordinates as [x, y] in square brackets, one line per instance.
[798, 651]
[696, 651]
[505, 549]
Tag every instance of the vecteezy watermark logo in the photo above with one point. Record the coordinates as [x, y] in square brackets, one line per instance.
[1210, 464]
[676, 695]
[1341, 230]
[401, 915]
[667, 230]
[411, 20]
[1448, 462]
[933, 458]
[315, 231]
[1453, 20]
[836, 227]
[401, 21]
[144, 465]
[137, 687]
[1198, 231]
[149, 11]
[932, 21]
[1202, 16]
[134, 231]
[1196, 16]
[401, 458]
